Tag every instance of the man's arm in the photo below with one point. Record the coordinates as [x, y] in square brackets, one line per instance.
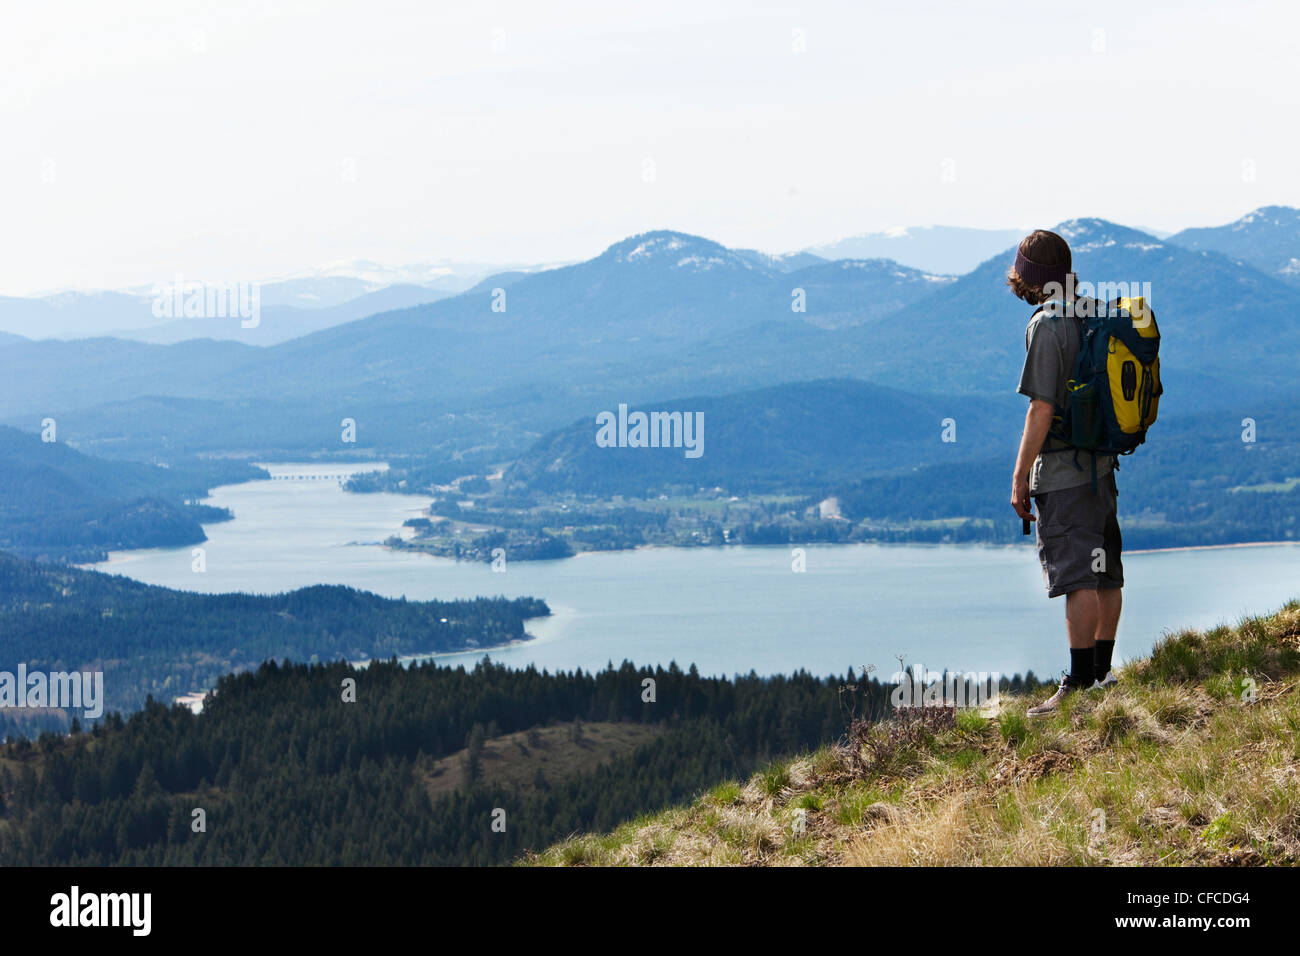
[1037, 422]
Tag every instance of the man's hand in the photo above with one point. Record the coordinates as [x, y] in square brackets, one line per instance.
[1020, 497]
[1037, 422]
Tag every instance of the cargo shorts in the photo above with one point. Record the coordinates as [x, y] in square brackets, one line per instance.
[1079, 543]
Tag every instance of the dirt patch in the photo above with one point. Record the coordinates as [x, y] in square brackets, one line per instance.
[1012, 770]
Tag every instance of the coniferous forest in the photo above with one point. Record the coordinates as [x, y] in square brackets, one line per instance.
[287, 770]
[157, 641]
[334, 763]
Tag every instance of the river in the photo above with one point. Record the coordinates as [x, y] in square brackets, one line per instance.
[727, 610]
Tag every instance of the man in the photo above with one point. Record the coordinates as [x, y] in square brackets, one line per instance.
[1079, 540]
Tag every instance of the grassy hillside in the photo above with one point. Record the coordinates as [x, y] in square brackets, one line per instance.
[1191, 760]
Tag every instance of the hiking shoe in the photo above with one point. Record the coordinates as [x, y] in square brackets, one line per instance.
[1104, 682]
[1053, 703]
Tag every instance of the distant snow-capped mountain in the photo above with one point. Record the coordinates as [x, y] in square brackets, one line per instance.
[679, 251]
[1268, 239]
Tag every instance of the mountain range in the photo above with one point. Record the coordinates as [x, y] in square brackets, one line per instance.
[291, 306]
[1268, 239]
[655, 317]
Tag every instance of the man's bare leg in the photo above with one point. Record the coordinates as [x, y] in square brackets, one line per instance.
[1082, 618]
[1109, 603]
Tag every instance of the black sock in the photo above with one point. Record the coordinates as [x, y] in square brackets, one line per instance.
[1081, 666]
[1101, 662]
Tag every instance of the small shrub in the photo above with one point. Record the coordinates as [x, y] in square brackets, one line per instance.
[774, 779]
[1013, 727]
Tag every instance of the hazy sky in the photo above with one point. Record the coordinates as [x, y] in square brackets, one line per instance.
[233, 141]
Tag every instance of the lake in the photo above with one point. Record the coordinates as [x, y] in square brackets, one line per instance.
[727, 610]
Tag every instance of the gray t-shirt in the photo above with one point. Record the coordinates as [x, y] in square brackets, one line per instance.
[1051, 346]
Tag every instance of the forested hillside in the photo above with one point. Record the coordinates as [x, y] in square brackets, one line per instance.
[801, 438]
[58, 504]
[289, 773]
[1195, 482]
[152, 640]
[772, 457]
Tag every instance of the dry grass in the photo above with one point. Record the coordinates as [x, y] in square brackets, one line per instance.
[515, 759]
[1191, 760]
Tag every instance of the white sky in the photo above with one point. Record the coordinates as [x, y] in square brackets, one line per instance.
[245, 140]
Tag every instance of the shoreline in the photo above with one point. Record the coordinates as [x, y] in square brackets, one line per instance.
[126, 556]
[928, 544]
[1214, 547]
[657, 546]
[408, 659]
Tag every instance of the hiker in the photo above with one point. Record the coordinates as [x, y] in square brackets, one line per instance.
[1074, 490]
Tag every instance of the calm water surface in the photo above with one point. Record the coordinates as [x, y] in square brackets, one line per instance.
[727, 610]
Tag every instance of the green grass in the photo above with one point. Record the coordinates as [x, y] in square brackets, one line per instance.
[1174, 766]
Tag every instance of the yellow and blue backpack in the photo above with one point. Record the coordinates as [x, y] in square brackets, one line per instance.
[1113, 395]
